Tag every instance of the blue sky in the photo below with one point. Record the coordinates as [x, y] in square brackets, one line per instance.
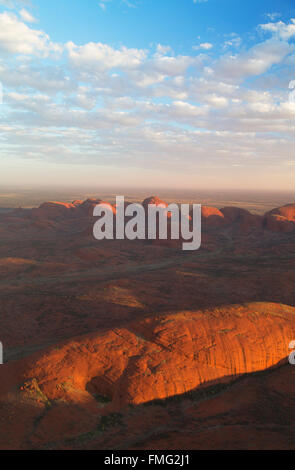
[178, 93]
[174, 22]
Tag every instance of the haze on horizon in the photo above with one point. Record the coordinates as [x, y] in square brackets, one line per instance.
[182, 94]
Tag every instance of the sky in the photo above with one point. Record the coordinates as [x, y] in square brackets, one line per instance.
[185, 94]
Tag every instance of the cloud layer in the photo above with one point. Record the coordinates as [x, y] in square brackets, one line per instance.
[92, 104]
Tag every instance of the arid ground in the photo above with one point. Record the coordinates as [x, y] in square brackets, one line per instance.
[121, 344]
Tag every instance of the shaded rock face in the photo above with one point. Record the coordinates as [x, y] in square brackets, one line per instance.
[61, 210]
[255, 413]
[251, 222]
[54, 210]
[233, 218]
[281, 219]
[234, 214]
[59, 216]
[154, 200]
[212, 217]
[87, 207]
[243, 219]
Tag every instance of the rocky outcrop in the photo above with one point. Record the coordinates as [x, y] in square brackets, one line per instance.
[212, 217]
[281, 219]
[153, 359]
[154, 200]
[57, 215]
[167, 355]
[242, 219]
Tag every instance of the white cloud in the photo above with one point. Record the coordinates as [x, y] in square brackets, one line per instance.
[280, 29]
[12, 4]
[216, 100]
[100, 56]
[234, 42]
[18, 38]
[130, 4]
[185, 109]
[273, 16]
[205, 45]
[103, 4]
[172, 66]
[26, 16]
[256, 61]
[146, 79]
[163, 50]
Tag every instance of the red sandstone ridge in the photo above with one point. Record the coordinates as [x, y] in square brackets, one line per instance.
[53, 210]
[155, 358]
[242, 218]
[86, 208]
[58, 210]
[154, 200]
[212, 217]
[62, 211]
[134, 380]
[78, 217]
[163, 356]
[288, 212]
[234, 214]
[281, 219]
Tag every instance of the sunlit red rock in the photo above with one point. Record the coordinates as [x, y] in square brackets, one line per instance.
[281, 219]
[212, 217]
[116, 324]
[155, 358]
[54, 210]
